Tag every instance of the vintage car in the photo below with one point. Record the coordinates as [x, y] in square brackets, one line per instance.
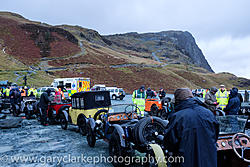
[4, 104]
[233, 144]
[25, 106]
[55, 108]
[85, 105]
[160, 108]
[125, 130]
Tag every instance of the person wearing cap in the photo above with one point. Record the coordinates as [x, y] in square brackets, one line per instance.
[222, 97]
[210, 99]
[138, 99]
[44, 102]
[192, 132]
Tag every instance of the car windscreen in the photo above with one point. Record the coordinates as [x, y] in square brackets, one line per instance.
[232, 124]
[121, 90]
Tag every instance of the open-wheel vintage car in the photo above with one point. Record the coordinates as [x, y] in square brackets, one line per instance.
[55, 108]
[26, 106]
[4, 104]
[125, 131]
[85, 105]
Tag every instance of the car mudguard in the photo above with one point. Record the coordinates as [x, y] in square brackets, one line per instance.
[159, 155]
[121, 134]
[66, 114]
[91, 122]
[63, 108]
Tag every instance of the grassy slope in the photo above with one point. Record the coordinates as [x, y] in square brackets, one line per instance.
[96, 61]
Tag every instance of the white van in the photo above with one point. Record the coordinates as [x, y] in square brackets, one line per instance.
[116, 93]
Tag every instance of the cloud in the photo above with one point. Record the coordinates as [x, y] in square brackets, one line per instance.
[221, 27]
[227, 54]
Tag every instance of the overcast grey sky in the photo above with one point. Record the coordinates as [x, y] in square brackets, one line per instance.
[220, 27]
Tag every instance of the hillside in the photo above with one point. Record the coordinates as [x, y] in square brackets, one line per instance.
[168, 59]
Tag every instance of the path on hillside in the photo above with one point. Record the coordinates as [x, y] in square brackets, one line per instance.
[17, 73]
[44, 65]
[157, 58]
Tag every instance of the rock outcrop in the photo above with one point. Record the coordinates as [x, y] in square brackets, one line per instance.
[175, 45]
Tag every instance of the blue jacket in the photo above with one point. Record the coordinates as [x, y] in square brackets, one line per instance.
[192, 133]
[233, 106]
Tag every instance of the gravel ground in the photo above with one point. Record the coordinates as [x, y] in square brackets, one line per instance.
[35, 145]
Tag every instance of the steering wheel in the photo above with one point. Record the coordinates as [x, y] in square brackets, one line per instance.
[219, 112]
[242, 147]
[130, 112]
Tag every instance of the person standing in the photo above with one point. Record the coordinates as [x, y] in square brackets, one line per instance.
[44, 102]
[138, 99]
[192, 132]
[233, 106]
[162, 93]
[210, 99]
[222, 97]
[246, 96]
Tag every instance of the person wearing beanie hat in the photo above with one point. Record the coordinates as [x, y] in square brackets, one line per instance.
[192, 131]
[210, 99]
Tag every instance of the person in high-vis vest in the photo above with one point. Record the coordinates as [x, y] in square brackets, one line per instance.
[1, 92]
[23, 92]
[138, 99]
[32, 92]
[205, 91]
[7, 92]
[222, 97]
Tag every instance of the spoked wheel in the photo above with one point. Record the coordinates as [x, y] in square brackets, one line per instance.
[154, 110]
[115, 148]
[63, 121]
[91, 136]
[148, 129]
[82, 125]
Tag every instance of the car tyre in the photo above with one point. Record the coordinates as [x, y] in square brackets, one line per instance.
[115, 148]
[146, 127]
[63, 121]
[90, 136]
[99, 113]
[82, 125]
[114, 97]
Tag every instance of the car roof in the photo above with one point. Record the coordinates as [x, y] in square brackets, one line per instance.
[81, 94]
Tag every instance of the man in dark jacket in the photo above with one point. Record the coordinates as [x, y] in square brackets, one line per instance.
[150, 94]
[246, 96]
[44, 101]
[210, 99]
[192, 132]
[233, 106]
[162, 93]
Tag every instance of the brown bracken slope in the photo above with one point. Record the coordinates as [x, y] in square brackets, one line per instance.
[73, 51]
